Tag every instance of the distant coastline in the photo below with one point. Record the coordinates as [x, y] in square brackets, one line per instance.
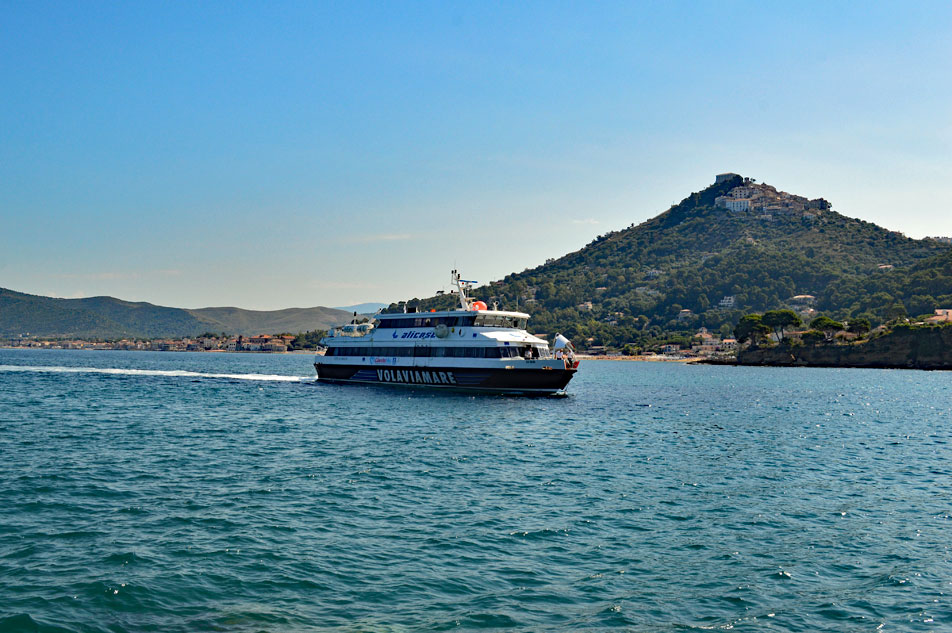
[110, 349]
[779, 356]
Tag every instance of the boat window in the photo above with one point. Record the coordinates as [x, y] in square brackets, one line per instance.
[424, 351]
[393, 323]
[498, 320]
[449, 321]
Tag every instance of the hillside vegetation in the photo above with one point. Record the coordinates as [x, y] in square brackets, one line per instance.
[639, 280]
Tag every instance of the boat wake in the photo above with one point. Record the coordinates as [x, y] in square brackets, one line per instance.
[175, 373]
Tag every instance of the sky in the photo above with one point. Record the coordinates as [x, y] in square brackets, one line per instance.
[274, 155]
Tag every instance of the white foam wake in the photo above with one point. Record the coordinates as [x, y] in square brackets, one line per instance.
[175, 373]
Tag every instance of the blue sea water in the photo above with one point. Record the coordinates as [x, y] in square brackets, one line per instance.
[227, 492]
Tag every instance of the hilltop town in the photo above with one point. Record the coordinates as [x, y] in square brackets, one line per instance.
[765, 200]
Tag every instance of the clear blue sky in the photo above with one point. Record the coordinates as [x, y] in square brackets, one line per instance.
[275, 154]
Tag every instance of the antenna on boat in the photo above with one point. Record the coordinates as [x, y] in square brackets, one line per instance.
[463, 286]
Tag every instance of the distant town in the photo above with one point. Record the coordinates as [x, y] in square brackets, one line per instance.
[275, 343]
[704, 344]
[766, 200]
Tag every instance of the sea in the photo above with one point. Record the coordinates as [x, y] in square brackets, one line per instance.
[187, 492]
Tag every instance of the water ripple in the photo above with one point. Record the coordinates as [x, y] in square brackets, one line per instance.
[183, 492]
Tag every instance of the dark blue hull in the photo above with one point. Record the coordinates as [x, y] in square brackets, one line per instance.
[529, 381]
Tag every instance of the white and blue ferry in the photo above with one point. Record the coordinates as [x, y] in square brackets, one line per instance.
[471, 348]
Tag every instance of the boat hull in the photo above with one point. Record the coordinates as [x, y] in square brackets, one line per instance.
[529, 381]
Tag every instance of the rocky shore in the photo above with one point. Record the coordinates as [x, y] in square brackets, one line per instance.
[904, 348]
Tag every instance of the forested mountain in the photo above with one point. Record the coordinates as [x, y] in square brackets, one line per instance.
[109, 318]
[633, 285]
[95, 317]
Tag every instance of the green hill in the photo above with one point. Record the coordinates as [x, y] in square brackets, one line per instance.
[697, 253]
[109, 318]
[239, 321]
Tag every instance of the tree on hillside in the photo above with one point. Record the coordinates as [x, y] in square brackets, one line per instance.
[812, 337]
[307, 340]
[896, 311]
[750, 328]
[859, 326]
[922, 304]
[828, 326]
[779, 320]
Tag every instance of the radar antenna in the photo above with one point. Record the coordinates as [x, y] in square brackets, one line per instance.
[464, 286]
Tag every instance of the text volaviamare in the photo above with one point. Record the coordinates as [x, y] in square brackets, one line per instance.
[414, 376]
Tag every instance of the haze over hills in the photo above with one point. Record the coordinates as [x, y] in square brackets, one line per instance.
[363, 308]
[241, 321]
[23, 314]
[735, 247]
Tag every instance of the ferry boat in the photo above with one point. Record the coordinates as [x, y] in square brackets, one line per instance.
[470, 348]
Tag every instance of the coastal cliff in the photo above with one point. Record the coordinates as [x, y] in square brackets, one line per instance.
[905, 347]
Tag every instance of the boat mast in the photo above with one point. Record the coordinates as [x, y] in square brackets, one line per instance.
[462, 285]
